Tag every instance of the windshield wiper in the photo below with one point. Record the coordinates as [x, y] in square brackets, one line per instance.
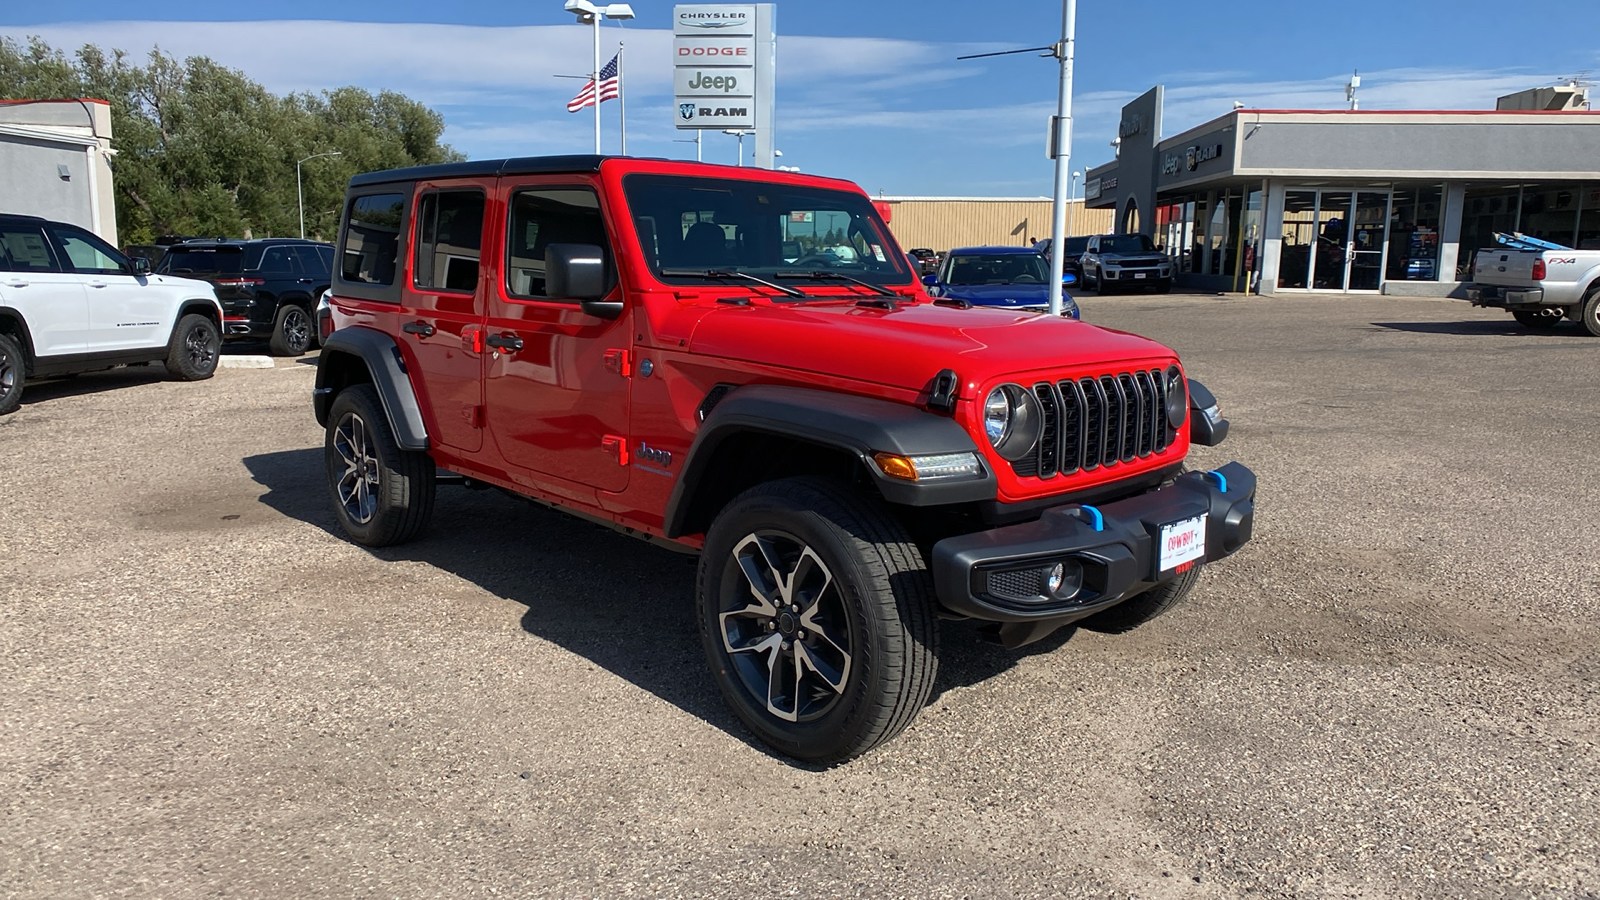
[819, 274]
[733, 273]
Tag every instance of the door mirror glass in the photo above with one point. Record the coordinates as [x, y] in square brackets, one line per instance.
[141, 266]
[930, 280]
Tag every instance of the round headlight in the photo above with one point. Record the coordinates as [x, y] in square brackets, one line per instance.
[1011, 421]
[1177, 398]
[997, 416]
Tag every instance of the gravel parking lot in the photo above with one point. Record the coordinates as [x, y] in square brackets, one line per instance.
[1391, 692]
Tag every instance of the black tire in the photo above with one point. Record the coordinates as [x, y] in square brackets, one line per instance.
[1141, 608]
[291, 331]
[13, 373]
[196, 345]
[861, 608]
[1534, 320]
[1164, 288]
[382, 495]
[1590, 313]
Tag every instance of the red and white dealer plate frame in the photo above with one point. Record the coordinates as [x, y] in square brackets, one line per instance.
[1182, 542]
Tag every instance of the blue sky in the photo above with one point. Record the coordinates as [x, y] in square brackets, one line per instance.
[869, 91]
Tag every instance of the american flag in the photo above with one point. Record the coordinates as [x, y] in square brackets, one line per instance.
[608, 88]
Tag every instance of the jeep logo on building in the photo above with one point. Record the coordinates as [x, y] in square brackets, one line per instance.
[724, 83]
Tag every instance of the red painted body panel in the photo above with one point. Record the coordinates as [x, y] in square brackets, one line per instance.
[555, 409]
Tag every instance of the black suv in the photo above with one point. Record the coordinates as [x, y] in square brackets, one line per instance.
[268, 288]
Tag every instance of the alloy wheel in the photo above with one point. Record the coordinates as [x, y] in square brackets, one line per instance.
[785, 627]
[201, 349]
[296, 330]
[358, 484]
[8, 373]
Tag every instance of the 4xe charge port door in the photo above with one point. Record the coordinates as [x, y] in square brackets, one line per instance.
[557, 385]
[442, 322]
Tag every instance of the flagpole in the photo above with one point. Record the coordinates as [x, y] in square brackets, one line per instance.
[622, 99]
[595, 75]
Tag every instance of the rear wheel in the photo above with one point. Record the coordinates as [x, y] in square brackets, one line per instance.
[381, 494]
[1537, 320]
[1590, 314]
[291, 332]
[13, 372]
[816, 612]
[192, 355]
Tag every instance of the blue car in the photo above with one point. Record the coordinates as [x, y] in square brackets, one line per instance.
[1012, 277]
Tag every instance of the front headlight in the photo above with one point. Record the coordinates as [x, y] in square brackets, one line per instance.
[1177, 398]
[1011, 421]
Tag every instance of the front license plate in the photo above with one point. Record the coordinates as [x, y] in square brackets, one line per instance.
[1182, 542]
[1138, 274]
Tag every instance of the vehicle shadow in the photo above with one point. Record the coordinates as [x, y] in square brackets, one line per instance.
[47, 389]
[620, 603]
[1480, 328]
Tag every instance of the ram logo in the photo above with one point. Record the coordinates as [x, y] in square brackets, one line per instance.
[686, 111]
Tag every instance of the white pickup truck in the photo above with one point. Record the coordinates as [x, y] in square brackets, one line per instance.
[1540, 283]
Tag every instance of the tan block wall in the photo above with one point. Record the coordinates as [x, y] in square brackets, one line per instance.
[941, 224]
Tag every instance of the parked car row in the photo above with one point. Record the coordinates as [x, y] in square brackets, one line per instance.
[1104, 262]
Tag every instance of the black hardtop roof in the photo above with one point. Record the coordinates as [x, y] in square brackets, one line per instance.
[531, 165]
[20, 217]
[479, 168]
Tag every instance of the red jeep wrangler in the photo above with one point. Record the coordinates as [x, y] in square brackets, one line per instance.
[741, 364]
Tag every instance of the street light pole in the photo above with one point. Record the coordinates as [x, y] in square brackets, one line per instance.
[1063, 152]
[299, 191]
[1072, 203]
[590, 14]
[739, 133]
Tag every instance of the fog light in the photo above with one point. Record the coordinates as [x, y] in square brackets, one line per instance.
[1064, 580]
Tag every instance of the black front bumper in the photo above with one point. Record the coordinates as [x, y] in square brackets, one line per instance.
[989, 575]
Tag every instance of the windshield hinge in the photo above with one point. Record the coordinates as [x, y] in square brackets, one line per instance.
[942, 391]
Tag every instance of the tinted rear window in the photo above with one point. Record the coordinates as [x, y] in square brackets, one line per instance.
[372, 238]
[203, 261]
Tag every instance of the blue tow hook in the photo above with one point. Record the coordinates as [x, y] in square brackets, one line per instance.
[1096, 520]
[1222, 480]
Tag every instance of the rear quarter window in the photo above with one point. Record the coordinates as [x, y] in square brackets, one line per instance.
[370, 244]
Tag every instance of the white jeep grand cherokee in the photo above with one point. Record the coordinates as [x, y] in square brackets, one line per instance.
[71, 303]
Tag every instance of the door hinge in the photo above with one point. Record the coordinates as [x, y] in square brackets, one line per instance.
[620, 362]
[617, 446]
[473, 415]
[472, 339]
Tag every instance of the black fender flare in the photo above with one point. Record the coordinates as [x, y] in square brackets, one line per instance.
[381, 355]
[860, 426]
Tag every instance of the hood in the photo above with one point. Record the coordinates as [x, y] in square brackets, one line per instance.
[997, 294]
[906, 347]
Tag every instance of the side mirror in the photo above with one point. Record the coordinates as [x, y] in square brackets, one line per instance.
[1068, 278]
[141, 266]
[930, 280]
[578, 272]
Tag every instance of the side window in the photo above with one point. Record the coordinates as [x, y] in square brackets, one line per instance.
[372, 239]
[449, 241]
[280, 261]
[90, 255]
[24, 249]
[325, 256]
[544, 216]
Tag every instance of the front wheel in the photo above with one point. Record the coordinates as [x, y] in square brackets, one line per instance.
[291, 332]
[13, 372]
[193, 353]
[381, 494]
[816, 611]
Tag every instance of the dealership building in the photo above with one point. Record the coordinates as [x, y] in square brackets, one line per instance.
[55, 162]
[1357, 201]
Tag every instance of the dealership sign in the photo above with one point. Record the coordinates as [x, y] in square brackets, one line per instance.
[1190, 159]
[722, 68]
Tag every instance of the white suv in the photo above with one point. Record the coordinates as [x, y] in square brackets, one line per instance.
[71, 303]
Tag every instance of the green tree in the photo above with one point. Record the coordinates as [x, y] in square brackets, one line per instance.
[201, 149]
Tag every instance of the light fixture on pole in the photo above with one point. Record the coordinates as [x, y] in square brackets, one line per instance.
[739, 133]
[1060, 139]
[590, 14]
[1072, 200]
[300, 193]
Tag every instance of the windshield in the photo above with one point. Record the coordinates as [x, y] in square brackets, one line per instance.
[1075, 245]
[202, 261]
[759, 228]
[997, 268]
[1126, 243]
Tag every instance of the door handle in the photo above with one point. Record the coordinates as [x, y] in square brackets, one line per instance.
[20, 282]
[508, 343]
[97, 284]
[304, 280]
[418, 328]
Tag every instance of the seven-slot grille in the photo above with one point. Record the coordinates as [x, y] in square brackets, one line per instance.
[1094, 422]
